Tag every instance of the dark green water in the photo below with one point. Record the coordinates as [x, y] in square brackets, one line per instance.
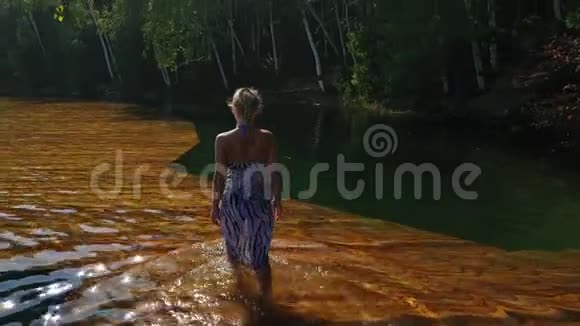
[523, 204]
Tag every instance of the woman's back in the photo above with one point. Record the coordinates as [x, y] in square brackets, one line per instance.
[245, 145]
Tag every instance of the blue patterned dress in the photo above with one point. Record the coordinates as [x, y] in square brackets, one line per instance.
[246, 216]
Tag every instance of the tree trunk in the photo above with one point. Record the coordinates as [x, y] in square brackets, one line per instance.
[233, 41]
[340, 31]
[475, 50]
[106, 54]
[558, 10]
[318, 129]
[347, 16]
[348, 27]
[165, 76]
[112, 56]
[239, 44]
[177, 75]
[443, 75]
[478, 65]
[35, 28]
[314, 51]
[259, 33]
[493, 56]
[323, 19]
[220, 65]
[321, 24]
[233, 37]
[101, 39]
[273, 36]
[253, 39]
[168, 105]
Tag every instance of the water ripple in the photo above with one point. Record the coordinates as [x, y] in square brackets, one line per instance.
[51, 257]
[97, 230]
[47, 232]
[9, 217]
[30, 208]
[24, 299]
[21, 241]
[64, 211]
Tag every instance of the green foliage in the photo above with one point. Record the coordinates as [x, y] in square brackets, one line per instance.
[397, 49]
[359, 86]
[573, 20]
[179, 30]
[59, 13]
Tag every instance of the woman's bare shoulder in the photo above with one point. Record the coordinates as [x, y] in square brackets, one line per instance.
[266, 133]
[223, 138]
[225, 134]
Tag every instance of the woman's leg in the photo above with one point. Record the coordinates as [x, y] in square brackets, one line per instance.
[264, 276]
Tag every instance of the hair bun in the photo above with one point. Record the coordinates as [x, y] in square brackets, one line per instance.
[248, 102]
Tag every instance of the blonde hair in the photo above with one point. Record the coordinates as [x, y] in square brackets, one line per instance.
[247, 101]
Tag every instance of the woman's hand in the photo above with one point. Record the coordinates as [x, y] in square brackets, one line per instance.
[215, 214]
[277, 209]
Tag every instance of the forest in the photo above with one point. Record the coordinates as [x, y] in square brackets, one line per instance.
[372, 54]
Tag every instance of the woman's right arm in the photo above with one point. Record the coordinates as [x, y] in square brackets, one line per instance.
[219, 178]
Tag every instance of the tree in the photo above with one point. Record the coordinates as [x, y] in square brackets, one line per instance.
[180, 32]
[30, 5]
[315, 52]
[273, 38]
[340, 29]
[106, 50]
[557, 4]
[321, 25]
[493, 56]
[475, 49]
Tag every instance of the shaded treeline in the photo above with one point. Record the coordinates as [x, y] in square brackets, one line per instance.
[370, 51]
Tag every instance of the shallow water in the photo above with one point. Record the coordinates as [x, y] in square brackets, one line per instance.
[72, 251]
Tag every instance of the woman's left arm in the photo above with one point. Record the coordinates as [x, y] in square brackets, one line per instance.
[276, 178]
[219, 178]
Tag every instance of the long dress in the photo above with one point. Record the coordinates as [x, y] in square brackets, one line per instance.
[246, 215]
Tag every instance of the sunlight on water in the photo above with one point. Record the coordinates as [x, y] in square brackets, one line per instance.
[69, 256]
[97, 230]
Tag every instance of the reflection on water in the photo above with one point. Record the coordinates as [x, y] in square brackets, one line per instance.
[524, 204]
[68, 256]
[18, 239]
[92, 229]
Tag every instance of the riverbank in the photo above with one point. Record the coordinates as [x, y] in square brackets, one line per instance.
[537, 101]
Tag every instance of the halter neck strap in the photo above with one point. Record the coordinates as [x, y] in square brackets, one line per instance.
[245, 128]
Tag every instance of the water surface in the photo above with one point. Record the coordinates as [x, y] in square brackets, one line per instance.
[525, 202]
[148, 254]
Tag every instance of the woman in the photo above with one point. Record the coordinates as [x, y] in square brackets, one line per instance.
[244, 205]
